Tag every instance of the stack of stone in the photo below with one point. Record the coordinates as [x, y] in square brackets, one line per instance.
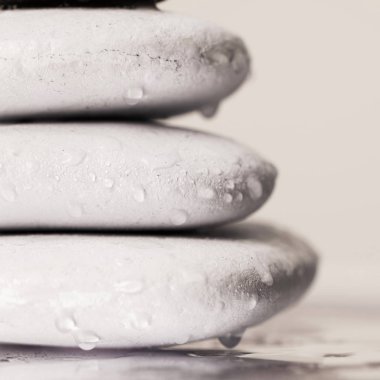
[95, 196]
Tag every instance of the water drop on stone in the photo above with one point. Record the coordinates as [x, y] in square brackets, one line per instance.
[130, 287]
[206, 193]
[227, 198]
[86, 340]
[255, 188]
[221, 54]
[134, 95]
[140, 321]
[92, 177]
[139, 194]
[231, 340]
[109, 183]
[65, 324]
[161, 161]
[239, 196]
[230, 185]
[252, 302]
[183, 339]
[209, 110]
[8, 192]
[73, 157]
[179, 217]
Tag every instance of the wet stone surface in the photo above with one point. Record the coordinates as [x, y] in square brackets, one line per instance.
[313, 342]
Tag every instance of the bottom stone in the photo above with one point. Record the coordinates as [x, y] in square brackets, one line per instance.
[119, 290]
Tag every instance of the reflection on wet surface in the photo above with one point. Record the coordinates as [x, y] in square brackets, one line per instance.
[306, 342]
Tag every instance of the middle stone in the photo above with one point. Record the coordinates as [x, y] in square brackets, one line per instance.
[126, 175]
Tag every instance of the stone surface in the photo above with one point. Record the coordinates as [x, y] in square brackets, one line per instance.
[316, 342]
[135, 63]
[125, 175]
[137, 291]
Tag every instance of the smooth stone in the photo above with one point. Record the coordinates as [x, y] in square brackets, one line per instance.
[137, 63]
[70, 290]
[127, 176]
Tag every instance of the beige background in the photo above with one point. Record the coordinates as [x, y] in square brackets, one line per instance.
[312, 107]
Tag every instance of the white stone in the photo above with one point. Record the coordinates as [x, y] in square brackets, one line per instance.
[195, 287]
[114, 61]
[125, 175]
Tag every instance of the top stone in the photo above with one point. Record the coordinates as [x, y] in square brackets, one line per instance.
[8, 4]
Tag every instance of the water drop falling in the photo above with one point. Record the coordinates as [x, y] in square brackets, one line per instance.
[231, 340]
[86, 340]
[255, 188]
[134, 95]
[66, 323]
[209, 110]
[179, 217]
[8, 192]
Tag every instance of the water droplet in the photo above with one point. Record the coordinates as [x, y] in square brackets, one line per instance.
[134, 95]
[57, 178]
[139, 194]
[252, 302]
[209, 110]
[130, 287]
[75, 209]
[255, 188]
[228, 198]
[109, 183]
[92, 177]
[182, 339]
[107, 163]
[263, 271]
[139, 321]
[86, 340]
[221, 54]
[206, 193]
[161, 161]
[179, 217]
[73, 157]
[239, 196]
[231, 340]
[8, 192]
[230, 184]
[66, 323]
